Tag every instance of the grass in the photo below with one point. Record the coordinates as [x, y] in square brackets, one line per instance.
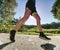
[28, 33]
[33, 33]
[48, 32]
[52, 34]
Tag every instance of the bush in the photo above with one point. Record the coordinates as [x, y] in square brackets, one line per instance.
[55, 31]
[5, 28]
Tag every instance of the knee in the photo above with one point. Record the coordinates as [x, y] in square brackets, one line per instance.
[37, 17]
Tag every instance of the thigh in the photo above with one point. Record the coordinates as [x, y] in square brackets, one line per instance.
[27, 13]
[31, 6]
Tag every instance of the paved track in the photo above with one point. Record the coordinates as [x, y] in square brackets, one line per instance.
[29, 42]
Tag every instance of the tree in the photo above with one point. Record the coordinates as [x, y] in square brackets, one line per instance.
[56, 9]
[7, 10]
[6, 14]
[14, 21]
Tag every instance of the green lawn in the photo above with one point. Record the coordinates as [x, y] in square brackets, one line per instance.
[33, 33]
[29, 33]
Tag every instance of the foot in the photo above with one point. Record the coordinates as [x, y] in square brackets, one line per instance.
[43, 36]
[12, 35]
[12, 39]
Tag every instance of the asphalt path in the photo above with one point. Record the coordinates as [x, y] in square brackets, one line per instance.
[29, 42]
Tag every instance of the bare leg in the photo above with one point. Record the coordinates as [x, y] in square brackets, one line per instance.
[42, 35]
[20, 22]
[37, 17]
[18, 25]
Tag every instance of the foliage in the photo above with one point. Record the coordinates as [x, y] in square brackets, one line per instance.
[14, 21]
[7, 10]
[23, 28]
[56, 9]
[52, 25]
[7, 7]
[52, 29]
[6, 27]
[55, 31]
[6, 14]
[49, 32]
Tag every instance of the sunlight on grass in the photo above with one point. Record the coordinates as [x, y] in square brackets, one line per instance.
[33, 33]
[28, 33]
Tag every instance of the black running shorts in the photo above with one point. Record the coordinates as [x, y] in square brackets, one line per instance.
[31, 6]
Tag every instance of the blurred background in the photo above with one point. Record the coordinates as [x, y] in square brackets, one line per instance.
[11, 11]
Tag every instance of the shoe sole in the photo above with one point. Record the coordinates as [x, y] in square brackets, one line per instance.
[12, 40]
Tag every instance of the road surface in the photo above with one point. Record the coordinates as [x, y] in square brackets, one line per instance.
[29, 42]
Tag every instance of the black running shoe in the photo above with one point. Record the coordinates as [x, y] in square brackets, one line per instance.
[43, 36]
[12, 35]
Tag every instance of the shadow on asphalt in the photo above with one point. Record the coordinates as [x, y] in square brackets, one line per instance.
[48, 46]
[4, 45]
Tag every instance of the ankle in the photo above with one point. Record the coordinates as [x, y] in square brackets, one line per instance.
[41, 33]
